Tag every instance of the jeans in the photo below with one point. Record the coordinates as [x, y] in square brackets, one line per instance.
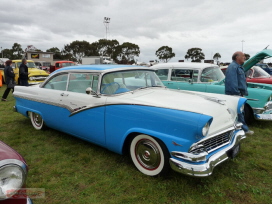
[241, 118]
[24, 82]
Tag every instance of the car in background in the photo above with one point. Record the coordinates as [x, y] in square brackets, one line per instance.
[265, 67]
[61, 64]
[43, 65]
[254, 75]
[127, 109]
[13, 174]
[35, 76]
[209, 78]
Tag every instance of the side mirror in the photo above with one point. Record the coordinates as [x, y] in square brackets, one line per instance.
[90, 91]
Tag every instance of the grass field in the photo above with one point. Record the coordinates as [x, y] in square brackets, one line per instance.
[74, 171]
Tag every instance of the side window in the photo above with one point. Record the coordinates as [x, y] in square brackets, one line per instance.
[59, 82]
[162, 74]
[184, 75]
[249, 73]
[57, 64]
[79, 82]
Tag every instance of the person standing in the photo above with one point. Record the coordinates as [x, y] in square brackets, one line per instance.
[23, 73]
[9, 79]
[235, 83]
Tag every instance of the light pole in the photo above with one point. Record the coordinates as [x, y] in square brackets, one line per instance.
[106, 23]
[1, 52]
[242, 45]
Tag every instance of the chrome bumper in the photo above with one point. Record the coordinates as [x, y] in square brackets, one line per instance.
[206, 169]
[263, 116]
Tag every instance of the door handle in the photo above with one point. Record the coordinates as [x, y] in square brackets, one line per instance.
[64, 94]
[169, 83]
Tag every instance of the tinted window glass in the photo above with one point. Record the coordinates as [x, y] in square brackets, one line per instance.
[79, 82]
[162, 74]
[184, 75]
[59, 82]
[211, 74]
[119, 82]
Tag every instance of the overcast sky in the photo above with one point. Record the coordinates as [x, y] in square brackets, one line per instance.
[212, 25]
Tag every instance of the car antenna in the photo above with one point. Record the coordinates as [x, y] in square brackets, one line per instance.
[266, 47]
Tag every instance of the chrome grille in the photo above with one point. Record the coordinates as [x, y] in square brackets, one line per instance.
[213, 143]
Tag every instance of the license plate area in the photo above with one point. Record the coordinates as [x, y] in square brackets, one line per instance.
[232, 153]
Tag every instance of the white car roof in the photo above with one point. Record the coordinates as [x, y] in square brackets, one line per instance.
[196, 65]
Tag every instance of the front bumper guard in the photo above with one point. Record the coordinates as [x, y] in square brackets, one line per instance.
[206, 169]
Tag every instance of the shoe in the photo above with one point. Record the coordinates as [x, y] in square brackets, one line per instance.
[3, 99]
[249, 132]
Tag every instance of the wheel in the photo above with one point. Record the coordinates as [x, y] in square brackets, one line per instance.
[150, 156]
[37, 121]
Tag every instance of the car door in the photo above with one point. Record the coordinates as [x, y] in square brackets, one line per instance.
[84, 117]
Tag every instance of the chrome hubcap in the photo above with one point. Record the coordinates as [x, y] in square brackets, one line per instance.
[147, 154]
[37, 119]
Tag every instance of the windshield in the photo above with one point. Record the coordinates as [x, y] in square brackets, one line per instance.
[211, 74]
[257, 72]
[262, 65]
[67, 64]
[120, 82]
[29, 64]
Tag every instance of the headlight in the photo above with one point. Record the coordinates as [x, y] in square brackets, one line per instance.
[242, 108]
[12, 178]
[205, 129]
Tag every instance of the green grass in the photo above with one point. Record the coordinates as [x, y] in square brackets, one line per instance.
[74, 171]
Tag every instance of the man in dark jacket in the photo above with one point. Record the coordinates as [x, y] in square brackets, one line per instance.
[23, 73]
[235, 83]
[9, 79]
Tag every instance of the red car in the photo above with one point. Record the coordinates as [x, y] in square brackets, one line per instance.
[255, 75]
[13, 173]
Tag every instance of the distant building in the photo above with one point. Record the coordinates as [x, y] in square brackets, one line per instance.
[40, 56]
[3, 60]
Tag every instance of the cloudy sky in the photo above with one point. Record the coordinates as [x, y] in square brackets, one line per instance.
[212, 25]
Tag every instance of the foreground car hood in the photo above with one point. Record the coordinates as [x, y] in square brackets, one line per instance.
[6, 152]
[214, 105]
[257, 58]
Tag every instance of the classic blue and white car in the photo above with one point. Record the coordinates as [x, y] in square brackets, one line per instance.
[127, 109]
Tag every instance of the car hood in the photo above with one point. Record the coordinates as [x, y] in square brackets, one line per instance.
[257, 58]
[222, 108]
[6, 152]
[35, 71]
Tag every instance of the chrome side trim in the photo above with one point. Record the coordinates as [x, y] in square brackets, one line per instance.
[206, 169]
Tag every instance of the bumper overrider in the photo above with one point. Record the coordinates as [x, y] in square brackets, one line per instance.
[196, 166]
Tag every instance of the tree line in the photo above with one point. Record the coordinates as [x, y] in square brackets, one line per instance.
[124, 53]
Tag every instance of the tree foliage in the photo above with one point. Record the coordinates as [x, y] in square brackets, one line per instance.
[76, 50]
[106, 47]
[195, 54]
[216, 56]
[126, 52]
[17, 51]
[165, 53]
[247, 56]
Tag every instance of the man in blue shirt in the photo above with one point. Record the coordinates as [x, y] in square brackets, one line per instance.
[235, 83]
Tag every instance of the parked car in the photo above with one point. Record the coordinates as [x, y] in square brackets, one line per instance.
[265, 67]
[61, 64]
[126, 109]
[13, 174]
[35, 76]
[209, 78]
[255, 75]
[43, 65]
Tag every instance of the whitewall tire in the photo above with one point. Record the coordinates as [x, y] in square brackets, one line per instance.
[150, 156]
[37, 121]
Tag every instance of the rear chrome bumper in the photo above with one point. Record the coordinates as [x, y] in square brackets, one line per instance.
[206, 169]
